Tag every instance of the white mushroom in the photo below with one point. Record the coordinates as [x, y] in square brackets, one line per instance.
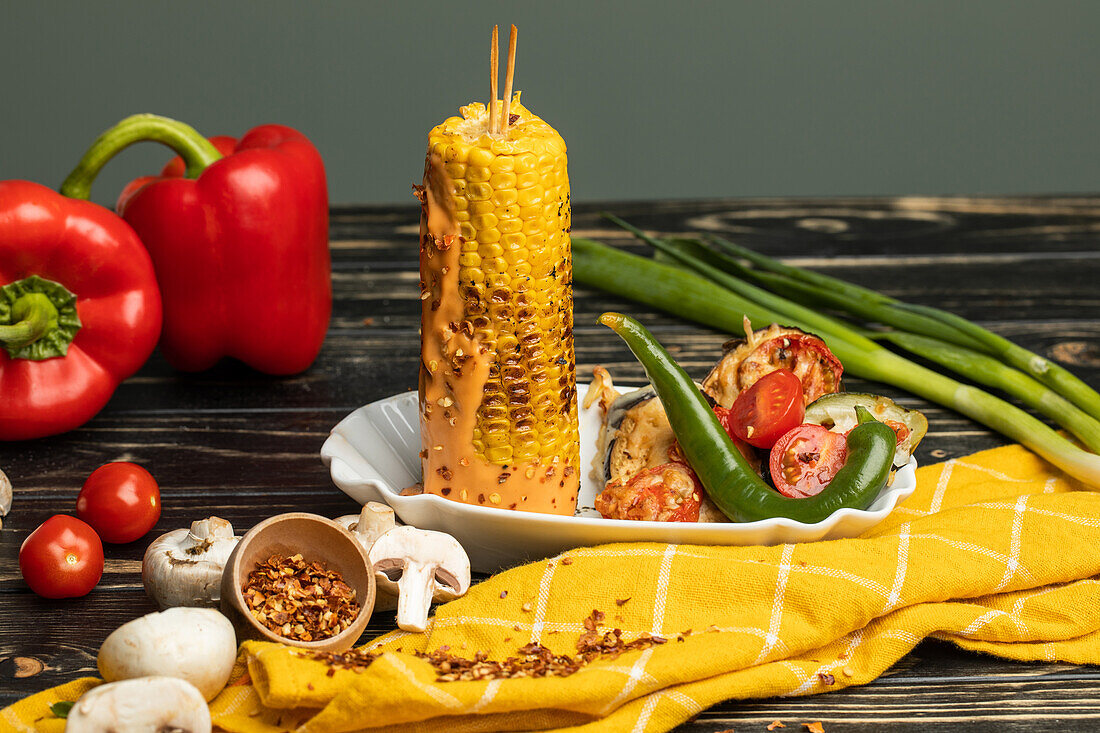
[184, 567]
[367, 526]
[419, 565]
[371, 523]
[193, 644]
[143, 705]
[5, 496]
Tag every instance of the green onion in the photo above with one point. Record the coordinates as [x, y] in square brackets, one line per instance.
[992, 373]
[852, 300]
[693, 297]
[930, 322]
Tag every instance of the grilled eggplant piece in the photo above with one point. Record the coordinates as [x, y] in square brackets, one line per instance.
[637, 437]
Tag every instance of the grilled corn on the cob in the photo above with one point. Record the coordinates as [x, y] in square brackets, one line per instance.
[498, 405]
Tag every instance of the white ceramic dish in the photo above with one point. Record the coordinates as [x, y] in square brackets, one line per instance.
[373, 454]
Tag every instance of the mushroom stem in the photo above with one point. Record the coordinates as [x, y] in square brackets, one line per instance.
[415, 597]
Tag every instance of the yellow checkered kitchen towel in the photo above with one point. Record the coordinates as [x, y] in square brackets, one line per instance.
[994, 552]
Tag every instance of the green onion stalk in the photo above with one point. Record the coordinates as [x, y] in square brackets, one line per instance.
[924, 320]
[712, 303]
[922, 336]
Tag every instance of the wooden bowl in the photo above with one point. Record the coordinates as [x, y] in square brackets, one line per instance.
[316, 539]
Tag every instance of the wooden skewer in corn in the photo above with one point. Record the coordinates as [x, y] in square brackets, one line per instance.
[508, 82]
[498, 124]
[494, 74]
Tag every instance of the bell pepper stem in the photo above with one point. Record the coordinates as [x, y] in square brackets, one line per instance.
[197, 152]
[38, 319]
[32, 316]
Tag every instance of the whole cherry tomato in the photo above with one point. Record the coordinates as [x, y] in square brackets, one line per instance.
[63, 558]
[121, 501]
[806, 459]
[769, 408]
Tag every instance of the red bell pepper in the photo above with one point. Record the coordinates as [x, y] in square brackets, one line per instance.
[79, 309]
[240, 242]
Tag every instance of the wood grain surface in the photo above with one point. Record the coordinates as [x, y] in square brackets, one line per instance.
[245, 446]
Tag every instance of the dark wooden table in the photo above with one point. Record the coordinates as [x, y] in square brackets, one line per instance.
[243, 446]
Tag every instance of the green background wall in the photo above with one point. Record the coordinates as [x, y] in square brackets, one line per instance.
[655, 100]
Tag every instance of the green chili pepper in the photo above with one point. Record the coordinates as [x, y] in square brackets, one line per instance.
[729, 480]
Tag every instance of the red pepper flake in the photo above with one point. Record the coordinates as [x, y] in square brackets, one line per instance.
[620, 602]
[535, 660]
[567, 561]
[776, 724]
[504, 594]
[300, 600]
[826, 679]
[815, 727]
[355, 660]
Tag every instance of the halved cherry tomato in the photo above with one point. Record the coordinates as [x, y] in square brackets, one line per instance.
[121, 501]
[670, 492]
[806, 459]
[768, 409]
[63, 558]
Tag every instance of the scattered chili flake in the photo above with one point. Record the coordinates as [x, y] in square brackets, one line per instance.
[298, 600]
[621, 601]
[567, 561]
[355, 660]
[610, 644]
[504, 594]
[776, 724]
[815, 727]
[535, 660]
[826, 679]
[368, 321]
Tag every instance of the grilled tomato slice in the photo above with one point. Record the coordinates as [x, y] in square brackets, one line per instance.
[770, 349]
[666, 493]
